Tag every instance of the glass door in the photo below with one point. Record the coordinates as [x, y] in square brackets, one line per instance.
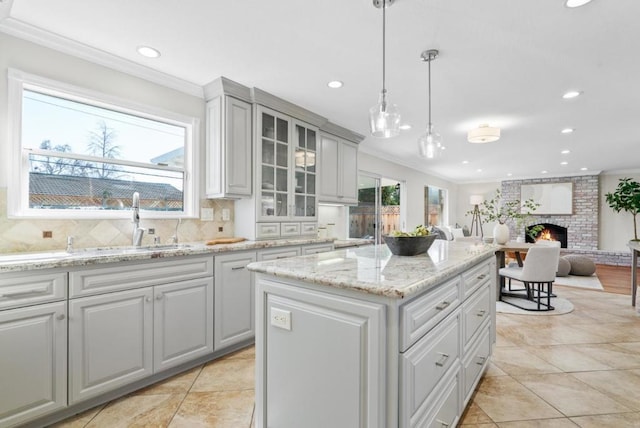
[304, 184]
[274, 166]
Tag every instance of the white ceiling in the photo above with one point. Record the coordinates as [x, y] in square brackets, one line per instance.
[502, 62]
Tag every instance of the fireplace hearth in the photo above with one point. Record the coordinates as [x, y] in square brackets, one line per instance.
[550, 232]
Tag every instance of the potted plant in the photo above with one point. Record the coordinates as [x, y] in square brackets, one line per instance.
[500, 211]
[626, 197]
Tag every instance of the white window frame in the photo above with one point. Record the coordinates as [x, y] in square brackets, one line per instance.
[18, 179]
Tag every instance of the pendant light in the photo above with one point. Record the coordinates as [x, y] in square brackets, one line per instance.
[430, 144]
[384, 117]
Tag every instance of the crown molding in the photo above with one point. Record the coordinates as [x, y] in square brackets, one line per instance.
[224, 86]
[21, 30]
[283, 106]
[339, 131]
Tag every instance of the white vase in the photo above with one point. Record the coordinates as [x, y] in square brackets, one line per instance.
[501, 233]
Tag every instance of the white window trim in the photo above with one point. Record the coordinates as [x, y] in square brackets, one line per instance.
[18, 191]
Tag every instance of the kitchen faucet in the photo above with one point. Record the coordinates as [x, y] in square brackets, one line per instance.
[174, 238]
[136, 239]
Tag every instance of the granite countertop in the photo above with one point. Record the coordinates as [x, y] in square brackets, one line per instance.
[373, 269]
[82, 257]
[352, 242]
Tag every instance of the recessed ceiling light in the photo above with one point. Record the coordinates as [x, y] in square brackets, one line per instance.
[584, 168]
[565, 152]
[509, 174]
[567, 130]
[335, 84]
[478, 170]
[465, 162]
[148, 52]
[544, 171]
[405, 127]
[564, 163]
[571, 94]
[576, 3]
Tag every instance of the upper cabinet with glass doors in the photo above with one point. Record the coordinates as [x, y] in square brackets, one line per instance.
[287, 168]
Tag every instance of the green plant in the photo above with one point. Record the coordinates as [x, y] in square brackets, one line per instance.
[498, 210]
[626, 197]
[534, 230]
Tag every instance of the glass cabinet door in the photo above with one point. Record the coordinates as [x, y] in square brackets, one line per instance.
[304, 181]
[274, 164]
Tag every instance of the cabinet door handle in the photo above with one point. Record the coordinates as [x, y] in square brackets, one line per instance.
[60, 317]
[238, 267]
[147, 299]
[481, 313]
[442, 423]
[19, 292]
[443, 359]
[159, 297]
[442, 305]
[481, 360]
[483, 276]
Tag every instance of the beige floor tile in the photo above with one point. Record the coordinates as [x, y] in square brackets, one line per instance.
[540, 423]
[487, 425]
[220, 409]
[614, 332]
[138, 411]
[178, 384]
[634, 347]
[571, 396]
[618, 420]
[503, 399]
[568, 358]
[612, 355]
[231, 374]
[493, 370]
[80, 420]
[562, 334]
[621, 385]
[244, 353]
[515, 361]
[474, 415]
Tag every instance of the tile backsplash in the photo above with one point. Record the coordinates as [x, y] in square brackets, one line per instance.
[27, 235]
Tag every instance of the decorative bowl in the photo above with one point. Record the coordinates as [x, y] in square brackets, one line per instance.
[409, 245]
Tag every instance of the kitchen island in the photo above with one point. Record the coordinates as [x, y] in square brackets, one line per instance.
[362, 338]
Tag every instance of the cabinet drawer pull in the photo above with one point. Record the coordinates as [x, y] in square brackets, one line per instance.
[159, 297]
[481, 313]
[442, 423]
[282, 257]
[442, 305]
[483, 276]
[60, 317]
[238, 267]
[34, 290]
[147, 299]
[481, 360]
[443, 359]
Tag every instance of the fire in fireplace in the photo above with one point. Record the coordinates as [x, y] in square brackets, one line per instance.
[549, 232]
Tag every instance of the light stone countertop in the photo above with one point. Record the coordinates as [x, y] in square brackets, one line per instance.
[17, 262]
[373, 269]
[351, 242]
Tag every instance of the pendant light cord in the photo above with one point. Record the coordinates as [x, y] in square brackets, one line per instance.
[384, 60]
[429, 86]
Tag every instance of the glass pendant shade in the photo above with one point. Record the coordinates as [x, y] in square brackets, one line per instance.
[384, 119]
[430, 144]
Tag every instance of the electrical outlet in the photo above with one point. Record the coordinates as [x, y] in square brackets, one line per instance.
[47, 234]
[151, 231]
[206, 214]
[226, 214]
[281, 318]
[220, 229]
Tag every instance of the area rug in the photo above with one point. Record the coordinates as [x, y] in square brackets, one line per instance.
[591, 282]
[562, 306]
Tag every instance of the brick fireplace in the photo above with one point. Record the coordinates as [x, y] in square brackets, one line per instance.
[549, 232]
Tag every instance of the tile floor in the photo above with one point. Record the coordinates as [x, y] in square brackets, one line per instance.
[579, 369]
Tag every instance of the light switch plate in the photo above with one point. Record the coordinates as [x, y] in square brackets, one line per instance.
[206, 214]
[281, 318]
[226, 214]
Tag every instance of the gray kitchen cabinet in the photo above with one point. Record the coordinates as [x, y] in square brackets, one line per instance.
[233, 299]
[110, 341]
[228, 148]
[285, 203]
[33, 361]
[338, 170]
[183, 322]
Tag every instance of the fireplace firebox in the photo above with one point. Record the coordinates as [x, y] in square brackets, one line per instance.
[549, 232]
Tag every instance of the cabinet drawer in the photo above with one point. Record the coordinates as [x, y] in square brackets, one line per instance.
[315, 249]
[290, 229]
[309, 228]
[446, 413]
[279, 253]
[22, 289]
[422, 314]
[133, 275]
[475, 361]
[267, 230]
[476, 277]
[475, 312]
[425, 363]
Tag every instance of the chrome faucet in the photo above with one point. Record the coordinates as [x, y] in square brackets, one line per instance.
[174, 238]
[136, 238]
